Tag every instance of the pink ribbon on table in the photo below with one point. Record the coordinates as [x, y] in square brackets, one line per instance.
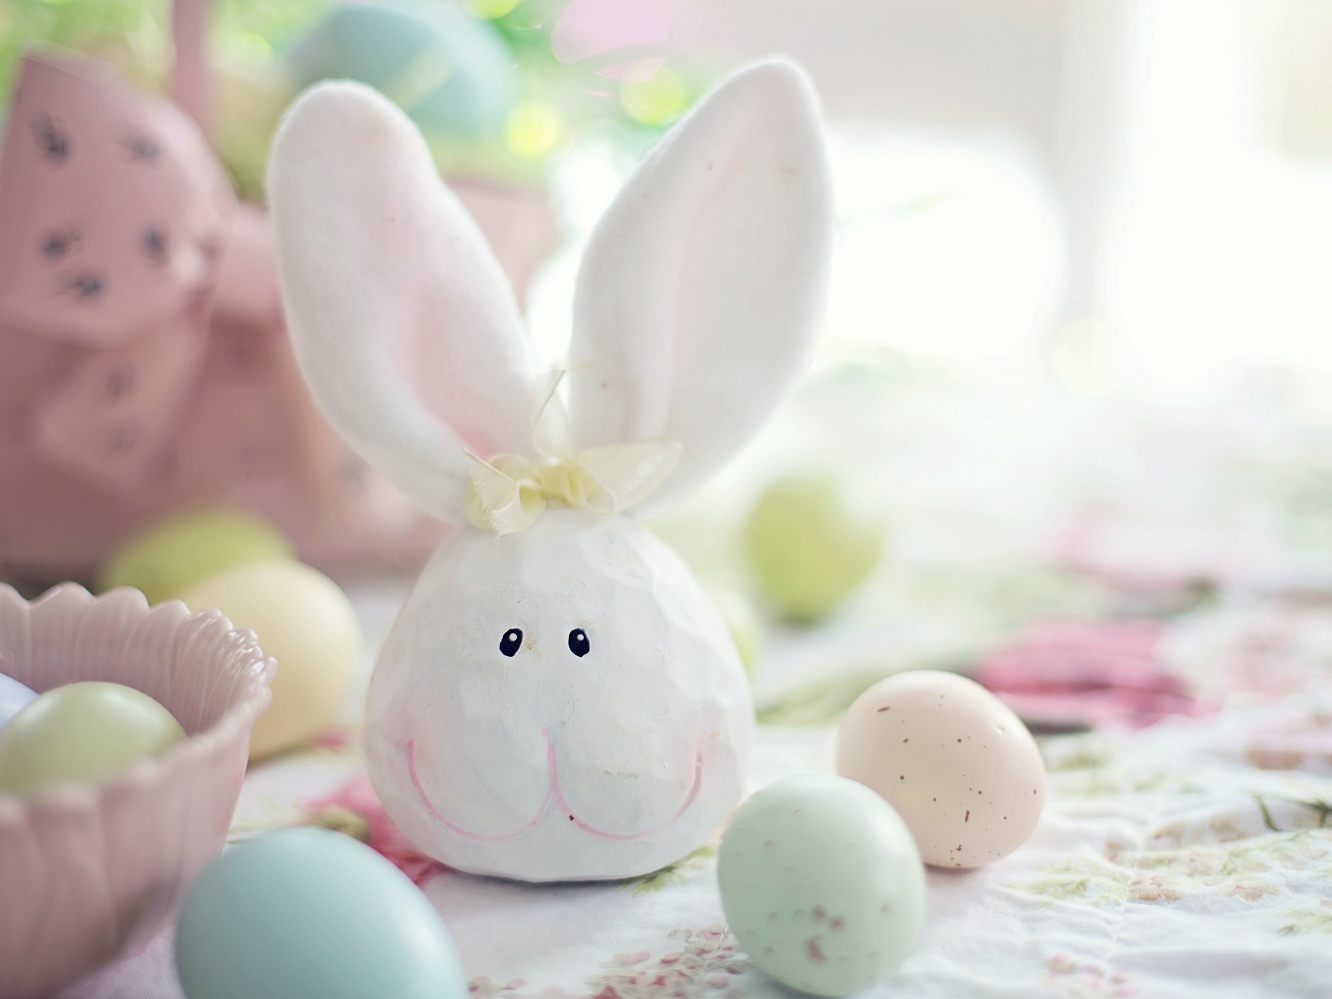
[121, 239]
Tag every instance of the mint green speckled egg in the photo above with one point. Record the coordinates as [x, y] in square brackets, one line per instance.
[822, 884]
[310, 912]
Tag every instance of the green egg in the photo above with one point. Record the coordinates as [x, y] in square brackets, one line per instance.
[809, 546]
[821, 884]
[82, 733]
[173, 555]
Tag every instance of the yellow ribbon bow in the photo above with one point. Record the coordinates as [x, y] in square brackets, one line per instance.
[510, 491]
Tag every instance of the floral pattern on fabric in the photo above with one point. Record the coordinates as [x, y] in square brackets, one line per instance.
[705, 965]
[353, 808]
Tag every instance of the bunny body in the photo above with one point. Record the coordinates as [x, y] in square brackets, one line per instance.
[559, 700]
[547, 764]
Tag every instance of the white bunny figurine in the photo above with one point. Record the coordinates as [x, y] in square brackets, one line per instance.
[559, 700]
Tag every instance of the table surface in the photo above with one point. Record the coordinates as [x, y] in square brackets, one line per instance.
[1191, 858]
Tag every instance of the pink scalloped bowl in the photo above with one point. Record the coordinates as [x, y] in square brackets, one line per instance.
[91, 873]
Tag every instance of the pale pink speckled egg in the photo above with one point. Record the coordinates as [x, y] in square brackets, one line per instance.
[958, 766]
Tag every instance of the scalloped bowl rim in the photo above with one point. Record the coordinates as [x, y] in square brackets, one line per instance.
[257, 692]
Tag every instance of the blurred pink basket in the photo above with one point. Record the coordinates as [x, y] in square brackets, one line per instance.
[144, 367]
[90, 873]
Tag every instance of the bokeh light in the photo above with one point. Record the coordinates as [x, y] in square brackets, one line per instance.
[491, 9]
[655, 101]
[532, 129]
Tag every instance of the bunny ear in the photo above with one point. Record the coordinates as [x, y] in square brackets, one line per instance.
[403, 323]
[701, 288]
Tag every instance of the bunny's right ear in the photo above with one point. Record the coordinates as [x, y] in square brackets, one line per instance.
[701, 288]
[403, 324]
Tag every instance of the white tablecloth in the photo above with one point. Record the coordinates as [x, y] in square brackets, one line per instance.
[1192, 859]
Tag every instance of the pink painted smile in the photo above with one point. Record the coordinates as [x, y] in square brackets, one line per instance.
[554, 798]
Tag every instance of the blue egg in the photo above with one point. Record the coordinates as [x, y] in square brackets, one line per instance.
[13, 697]
[310, 912]
[448, 69]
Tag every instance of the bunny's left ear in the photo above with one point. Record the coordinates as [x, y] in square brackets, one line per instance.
[702, 286]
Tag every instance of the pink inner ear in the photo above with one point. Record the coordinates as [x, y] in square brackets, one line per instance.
[698, 299]
[447, 391]
[402, 321]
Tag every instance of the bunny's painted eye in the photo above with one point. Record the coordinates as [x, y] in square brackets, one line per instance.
[578, 643]
[511, 642]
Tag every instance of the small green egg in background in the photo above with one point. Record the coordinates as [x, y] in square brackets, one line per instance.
[172, 555]
[310, 912]
[821, 884]
[809, 545]
[82, 733]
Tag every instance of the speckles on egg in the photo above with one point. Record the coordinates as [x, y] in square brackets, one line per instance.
[967, 796]
[821, 884]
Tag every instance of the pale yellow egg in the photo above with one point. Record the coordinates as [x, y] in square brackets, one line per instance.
[304, 621]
